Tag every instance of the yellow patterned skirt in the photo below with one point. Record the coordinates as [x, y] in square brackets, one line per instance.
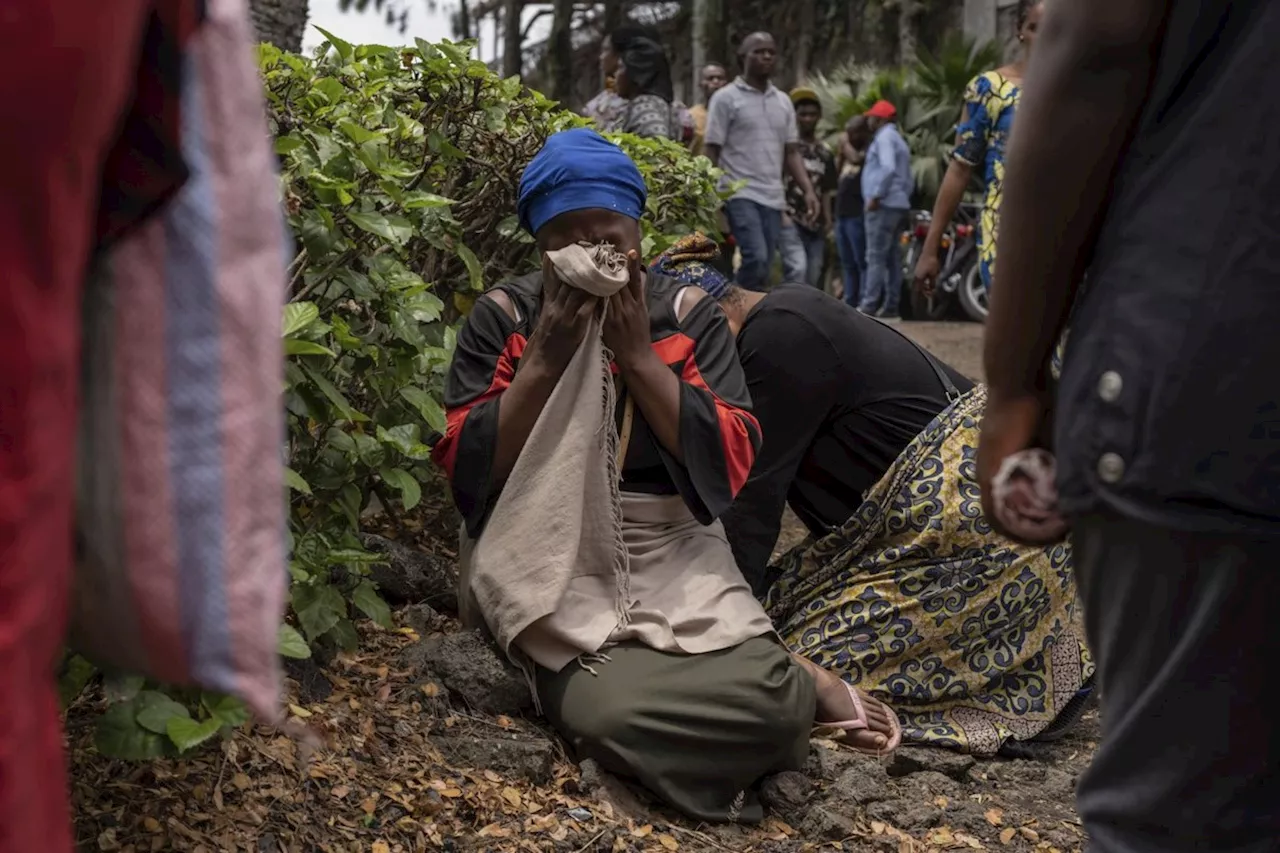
[971, 638]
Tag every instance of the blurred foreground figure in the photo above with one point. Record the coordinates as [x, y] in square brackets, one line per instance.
[116, 160]
[1137, 118]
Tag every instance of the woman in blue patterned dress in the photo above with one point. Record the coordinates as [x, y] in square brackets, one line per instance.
[989, 105]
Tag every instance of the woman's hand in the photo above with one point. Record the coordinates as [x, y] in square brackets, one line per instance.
[626, 323]
[561, 328]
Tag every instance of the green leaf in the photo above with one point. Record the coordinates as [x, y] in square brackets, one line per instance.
[73, 677]
[344, 635]
[357, 134]
[371, 604]
[291, 644]
[404, 438]
[353, 556]
[397, 229]
[118, 735]
[188, 734]
[122, 687]
[299, 315]
[344, 48]
[227, 710]
[330, 391]
[156, 710]
[319, 607]
[351, 501]
[474, 270]
[410, 489]
[294, 480]
[415, 199]
[288, 144]
[294, 346]
[428, 406]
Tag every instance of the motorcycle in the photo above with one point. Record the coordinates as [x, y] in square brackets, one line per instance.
[959, 289]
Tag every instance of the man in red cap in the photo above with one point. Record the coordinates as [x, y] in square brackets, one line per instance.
[886, 190]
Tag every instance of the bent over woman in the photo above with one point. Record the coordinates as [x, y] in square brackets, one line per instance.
[654, 659]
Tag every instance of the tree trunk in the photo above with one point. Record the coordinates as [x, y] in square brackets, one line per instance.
[615, 12]
[512, 44]
[281, 22]
[804, 40]
[558, 58]
[908, 38]
[462, 27]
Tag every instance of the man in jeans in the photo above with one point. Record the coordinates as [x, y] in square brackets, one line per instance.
[752, 136]
[886, 191]
[1137, 119]
[804, 240]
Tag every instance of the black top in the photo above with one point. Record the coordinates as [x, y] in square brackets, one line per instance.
[838, 396]
[1169, 406]
[821, 166]
[849, 202]
[717, 431]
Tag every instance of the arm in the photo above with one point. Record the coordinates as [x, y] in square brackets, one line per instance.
[783, 359]
[954, 183]
[885, 156]
[1092, 68]
[718, 120]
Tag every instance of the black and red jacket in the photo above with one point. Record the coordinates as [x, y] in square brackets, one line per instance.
[718, 434]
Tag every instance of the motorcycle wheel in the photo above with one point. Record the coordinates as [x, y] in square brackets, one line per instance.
[973, 295]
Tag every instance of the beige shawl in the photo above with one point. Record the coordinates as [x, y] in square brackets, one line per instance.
[560, 509]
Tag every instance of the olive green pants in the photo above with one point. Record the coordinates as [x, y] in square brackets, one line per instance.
[697, 730]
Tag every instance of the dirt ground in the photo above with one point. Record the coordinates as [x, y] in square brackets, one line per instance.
[428, 742]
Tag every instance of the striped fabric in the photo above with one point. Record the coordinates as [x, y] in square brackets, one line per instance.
[181, 569]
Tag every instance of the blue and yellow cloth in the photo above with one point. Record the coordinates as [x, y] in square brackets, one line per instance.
[690, 260]
[989, 105]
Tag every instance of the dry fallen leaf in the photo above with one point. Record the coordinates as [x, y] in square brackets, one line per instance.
[642, 831]
[1030, 834]
[431, 690]
[150, 824]
[1006, 835]
[942, 837]
[241, 781]
[340, 792]
[299, 711]
[512, 796]
[994, 816]
[491, 776]
[668, 842]
[941, 802]
[504, 721]
[381, 847]
[877, 828]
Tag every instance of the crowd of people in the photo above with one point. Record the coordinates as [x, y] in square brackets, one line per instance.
[660, 417]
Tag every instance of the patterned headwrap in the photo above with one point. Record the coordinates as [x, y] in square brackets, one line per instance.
[578, 170]
[689, 261]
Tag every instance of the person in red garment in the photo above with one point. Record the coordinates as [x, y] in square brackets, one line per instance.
[89, 148]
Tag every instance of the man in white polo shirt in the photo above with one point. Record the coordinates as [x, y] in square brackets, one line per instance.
[752, 136]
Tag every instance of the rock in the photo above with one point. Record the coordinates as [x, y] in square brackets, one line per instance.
[787, 792]
[471, 668]
[861, 785]
[413, 577]
[824, 824]
[914, 759]
[905, 814]
[312, 685]
[524, 759]
[423, 618]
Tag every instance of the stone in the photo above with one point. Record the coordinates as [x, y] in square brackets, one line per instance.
[787, 792]
[470, 666]
[533, 760]
[914, 759]
[825, 824]
[411, 576]
[861, 785]
[423, 618]
[905, 814]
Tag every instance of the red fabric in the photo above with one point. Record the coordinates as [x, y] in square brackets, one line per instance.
[882, 109]
[445, 453]
[68, 72]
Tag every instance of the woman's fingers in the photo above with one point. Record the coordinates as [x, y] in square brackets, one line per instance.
[635, 272]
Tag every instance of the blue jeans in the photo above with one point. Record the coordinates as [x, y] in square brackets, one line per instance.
[851, 242]
[883, 287]
[756, 229]
[803, 253]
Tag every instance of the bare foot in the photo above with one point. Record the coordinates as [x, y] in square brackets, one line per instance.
[835, 706]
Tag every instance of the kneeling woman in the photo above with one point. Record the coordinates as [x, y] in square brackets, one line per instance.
[648, 650]
[905, 590]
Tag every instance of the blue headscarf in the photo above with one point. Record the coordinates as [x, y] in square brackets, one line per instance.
[576, 170]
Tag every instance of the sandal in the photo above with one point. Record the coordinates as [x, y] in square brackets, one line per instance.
[859, 723]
